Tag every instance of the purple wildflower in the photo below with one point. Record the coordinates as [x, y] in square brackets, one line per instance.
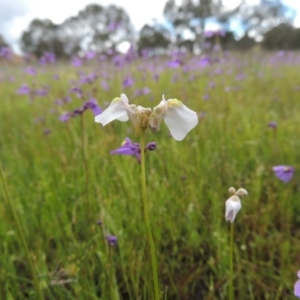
[284, 173]
[24, 90]
[204, 61]
[272, 124]
[112, 240]
[128, 81]
[76, 61]
[41, 92]
[151, 146]
[30, 71]
[99, 222]
[6, 52]
[47, 131]
[93, 106]
[66, 116]
[77, 91]
[90, 78]
[129, 148]
[205, 97]
[90, 55]
[133, 149]
[48, 58]
[174, 64]
[59, 102]
[297, 286]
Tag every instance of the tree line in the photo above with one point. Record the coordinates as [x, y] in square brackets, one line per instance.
[105, 28]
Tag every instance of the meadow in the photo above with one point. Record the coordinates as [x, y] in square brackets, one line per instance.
[69, 192]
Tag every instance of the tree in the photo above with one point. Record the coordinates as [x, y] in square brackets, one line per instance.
[154, 38]
[42, 36]
[282, 37]
[103, 28]
[2, 42]
[258, 19]
[95, 28]
[190, 17]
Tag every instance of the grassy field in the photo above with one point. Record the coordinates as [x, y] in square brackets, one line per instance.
[62, 179]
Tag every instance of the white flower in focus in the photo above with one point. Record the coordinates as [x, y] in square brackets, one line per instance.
[117, 110]
[179, 118]
[233, 204]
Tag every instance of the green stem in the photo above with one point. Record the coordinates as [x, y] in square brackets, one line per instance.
[86, 170]
[146, 218]
[231, 296]
[113, 283]
[22, 237]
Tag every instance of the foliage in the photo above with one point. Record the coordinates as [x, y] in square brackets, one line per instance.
[187, 181]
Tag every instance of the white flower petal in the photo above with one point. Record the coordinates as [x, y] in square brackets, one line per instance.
[115, 111]
[124, 99]
[233, 206]
[180, 119]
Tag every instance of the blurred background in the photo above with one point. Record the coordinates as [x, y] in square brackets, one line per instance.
[70, 28]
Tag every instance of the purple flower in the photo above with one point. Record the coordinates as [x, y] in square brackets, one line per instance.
[205, 97]
[128, 81]
[48, 58]
[24, 90]
[77, 91]
[93, 106]
[112, 240]
[6, 52]
[90, 78]
[284, 173]
[76, 62]
[133, 149]
[41, 92]
[30, 71]
[297, 286]
[47, 131]
[66, 116]
[151, 146]
[272, 125]
[204, 61]
[90, 55]
[174, 64]
[240, 77]
[59, 102]
[129, 148]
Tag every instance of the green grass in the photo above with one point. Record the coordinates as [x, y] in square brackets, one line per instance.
[187, 185]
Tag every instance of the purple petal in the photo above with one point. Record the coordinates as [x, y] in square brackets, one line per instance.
[297, 288]
[284, 173]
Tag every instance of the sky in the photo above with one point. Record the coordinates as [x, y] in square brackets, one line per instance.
[16, 15]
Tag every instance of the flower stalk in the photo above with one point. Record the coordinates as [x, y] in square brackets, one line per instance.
[22, 236]
[146, 218]
[231, 295]
[85, 164]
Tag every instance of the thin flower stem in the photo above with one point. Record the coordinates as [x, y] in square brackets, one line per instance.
[113, 283]
[86, 170]
[146, 218]
[231, 295]
[22, 237]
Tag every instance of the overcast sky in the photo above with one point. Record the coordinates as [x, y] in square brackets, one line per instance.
[15, 15]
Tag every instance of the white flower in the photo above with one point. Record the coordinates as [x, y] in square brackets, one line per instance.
[233, 204]
[179, 118]
[117, 110]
